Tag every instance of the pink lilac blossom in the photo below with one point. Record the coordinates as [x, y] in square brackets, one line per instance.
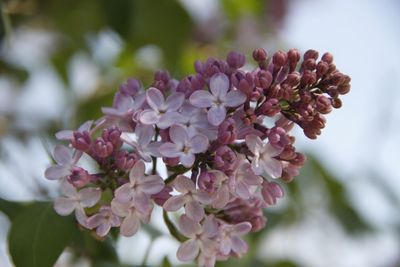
[212, 130]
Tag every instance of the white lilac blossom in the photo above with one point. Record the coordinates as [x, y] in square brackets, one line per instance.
[210, 130]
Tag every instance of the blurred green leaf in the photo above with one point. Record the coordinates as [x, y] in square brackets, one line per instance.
[11, 208]
[38, 235]
[13, 71]
[234, 9]
[2, 23]
[166, 263]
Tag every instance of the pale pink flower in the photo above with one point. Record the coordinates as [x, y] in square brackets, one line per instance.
[103, 221]
[221, 196]
[131, 214]
[200, 237]
[195, 121]
[183, 146]
[76, 201]
[124, 106]
[219, 98]
[190, 198]
[140, 187]
[162, 112]
[230, 240]
[65, 162]
[244, 181]
[69, 134]
[263, 160]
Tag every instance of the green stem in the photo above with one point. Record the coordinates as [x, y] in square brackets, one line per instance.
[172, 229]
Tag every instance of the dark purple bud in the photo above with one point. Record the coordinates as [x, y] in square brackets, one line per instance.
[102, 148]
[263, 79]
[112, 135]
[278, 138]
[293, 79]
[322, 68]
[249, 116]
[208, 181]
[309, 64]
[323, 104]
[308, 78]
[131, 87]
[260, 55]
[125, 160]
[336, 78]
[279, 58]
[236, 60]
[227, 132]
[224, 158]
[81, 141]
[310, 54]
[162, 196]
[336, 103]
[271, 191]
[79, 177]
[270, 107]
[293, 58]
[161, 80]
[327, 57]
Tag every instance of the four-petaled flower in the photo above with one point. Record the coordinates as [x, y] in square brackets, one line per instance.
[190, 198]
[65, 162]
[200, 237]
[140, 187]
[263, 160]
[76, 201]
[230, 238]
[218, 99]
[162, 112]
[103, 221]
[183, 146]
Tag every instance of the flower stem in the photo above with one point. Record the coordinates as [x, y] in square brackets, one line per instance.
[172, 229]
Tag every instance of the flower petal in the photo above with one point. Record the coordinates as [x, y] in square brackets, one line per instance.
[168, 119]
[242, 190]
[130, 225]
[201, 99]
[219, 84]
[94, 221]
[65, 135]
[175, 101]
[119, 208]
[64, 206]
[68, 190]
[225, 246]
[152, 184]
[89, 196]
[62, 155]
[216, 115]
[174, 203]
[210, 227]
[235, 98]
[137, 172]
[188, 227]
[184, 184]
[178, 135]
[188, 251]
[187, 160]
[254, 143]
[194, 210]
[154, 98]
[242, 228]
[170, 150]
[81, 216]
[103, 228]
[124, 193]
[149, 117]
[239, 246]
[272, 167]
[56, 172]
[198, 143]
[144, 134]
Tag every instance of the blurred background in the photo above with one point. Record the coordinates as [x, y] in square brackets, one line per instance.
[60, 61]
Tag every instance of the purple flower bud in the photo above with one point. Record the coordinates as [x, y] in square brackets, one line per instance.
[260, 54]
[323, 104]
[162, 196]
[79, 177]
[279, 58]
[102, 148]
[208, 181]
[263, 79]
[310, 54]
[81, 140]
[190, 84]
[227, 132]
[271, 191]
[131, 87]
[327, 57]
[224, 158]
[161, 80]
[270, 107]
[125, 160]
[278, 138]
[293, 58]
[239, 210]
[235, 60]
[112, 135]
[336, 103]
[322, 68]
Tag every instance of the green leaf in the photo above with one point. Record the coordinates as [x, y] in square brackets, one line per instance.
[38, 235]
[10, 208]
[166, 263]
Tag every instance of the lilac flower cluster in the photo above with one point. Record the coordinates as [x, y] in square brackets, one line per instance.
[224, 136]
